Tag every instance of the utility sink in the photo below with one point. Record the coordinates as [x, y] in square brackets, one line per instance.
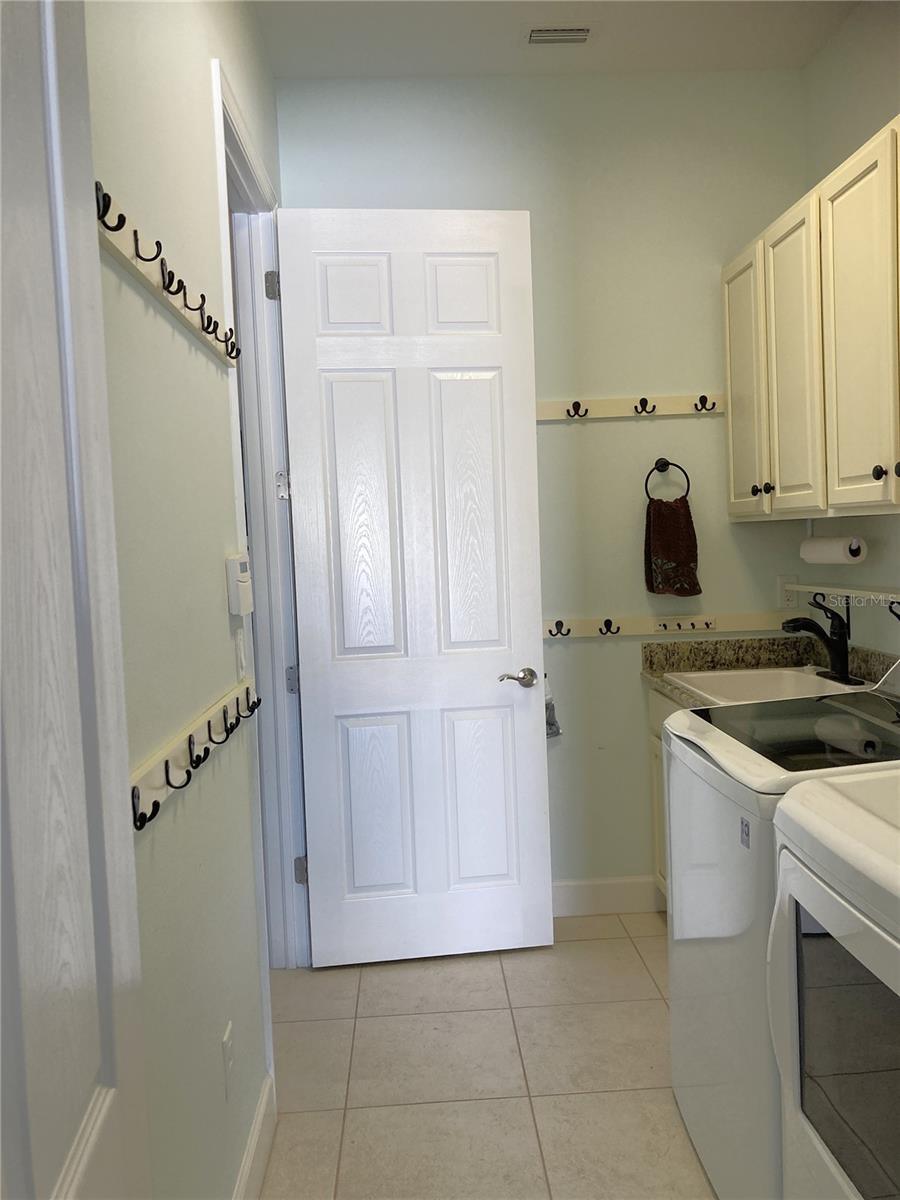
[764, 683]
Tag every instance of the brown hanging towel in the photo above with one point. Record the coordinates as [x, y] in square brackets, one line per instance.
[670, 543]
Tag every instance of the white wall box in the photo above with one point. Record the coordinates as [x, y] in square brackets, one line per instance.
[811, 334]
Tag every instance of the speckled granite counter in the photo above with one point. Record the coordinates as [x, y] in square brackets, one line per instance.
[742, 654]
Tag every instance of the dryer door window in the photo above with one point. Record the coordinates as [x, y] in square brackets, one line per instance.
[849, 1023]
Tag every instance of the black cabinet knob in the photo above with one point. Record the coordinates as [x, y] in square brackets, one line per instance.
[755, 490]
[897, 469]
[878, 472]
[768, 488]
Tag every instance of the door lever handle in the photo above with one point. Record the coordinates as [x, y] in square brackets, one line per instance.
[526, 678]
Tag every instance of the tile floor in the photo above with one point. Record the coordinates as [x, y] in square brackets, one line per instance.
[510, 1076]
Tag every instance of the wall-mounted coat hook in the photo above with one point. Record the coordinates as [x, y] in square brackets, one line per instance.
[703, 404]
[194, 307]
[894, 608]
[140, 819]
[252, 705]
[143, 257]
[196, 760]
[607, 628]
[176, 787]
[226, 729]
[576, 410]
[226, 339]
[232, 725]
[170, 285]
[233, 351]
[104, 203]
[559, 631]
[208, 324]
[641, 408]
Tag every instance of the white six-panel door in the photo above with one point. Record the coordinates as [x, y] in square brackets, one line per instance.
[411, 426]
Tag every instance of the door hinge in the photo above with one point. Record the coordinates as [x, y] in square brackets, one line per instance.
[292, 680]
[301, 874]
[282, 485]
[273, 285]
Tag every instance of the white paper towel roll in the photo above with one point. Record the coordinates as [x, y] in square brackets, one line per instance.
[833, 550]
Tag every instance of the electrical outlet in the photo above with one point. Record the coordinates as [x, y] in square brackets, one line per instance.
[786, 599]
[227, 1055]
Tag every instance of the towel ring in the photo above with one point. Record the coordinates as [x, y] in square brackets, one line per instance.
[662, 465]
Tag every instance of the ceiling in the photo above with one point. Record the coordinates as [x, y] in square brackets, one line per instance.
[377, 39]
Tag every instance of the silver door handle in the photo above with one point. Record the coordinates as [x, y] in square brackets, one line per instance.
[527, 677]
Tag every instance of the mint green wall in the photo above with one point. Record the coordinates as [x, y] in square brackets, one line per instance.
[152, 120]
[639, 187]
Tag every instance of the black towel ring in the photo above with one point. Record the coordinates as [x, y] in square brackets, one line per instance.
[662, 465]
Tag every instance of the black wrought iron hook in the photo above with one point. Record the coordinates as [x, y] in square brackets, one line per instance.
[818, 602]
[143, 257]
[703, 404]
[168, 279]
[196, 760]
[233, 351]
[194, 307]
[252, 705]
[104, 203]
[894, 608]
[606, 628]
[641, 408]
[226, 729]
[227, 338]
[559, 631]
[176, 787]
[232, 725]
[576, 410]
[208, 324]
[140, 819]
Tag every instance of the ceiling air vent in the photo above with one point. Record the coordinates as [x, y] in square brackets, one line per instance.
[558, 37]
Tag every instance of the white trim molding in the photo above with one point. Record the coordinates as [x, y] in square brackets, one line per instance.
[248, 1185]
[587, 897]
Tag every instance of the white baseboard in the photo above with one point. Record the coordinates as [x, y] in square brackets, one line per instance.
[584, 897]
[259, 1145]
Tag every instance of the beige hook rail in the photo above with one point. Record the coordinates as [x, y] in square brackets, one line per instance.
[120, 247]
[150, 776]
[639, 407]
[608, 628]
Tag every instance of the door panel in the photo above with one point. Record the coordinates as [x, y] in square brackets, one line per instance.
[411, 428]
[794, 344]
[859, 297]
[748, 449]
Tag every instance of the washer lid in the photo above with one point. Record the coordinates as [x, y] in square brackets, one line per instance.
[848, 829]
[771, 745]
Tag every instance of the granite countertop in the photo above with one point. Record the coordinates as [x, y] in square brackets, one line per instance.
[742, 654]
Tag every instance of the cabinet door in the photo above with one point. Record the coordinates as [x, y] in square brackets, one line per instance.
[745, 367]
[794, 354]
[859, 302]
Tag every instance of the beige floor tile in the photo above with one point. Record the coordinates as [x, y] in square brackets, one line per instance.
[437, 1056]
[311, 1063]
[306, 995]
[618, 1146]
[655, 953]
[577, 972]
[585, 929]
[595, 1047]
[304, 1157]
[432, 985]
[479, 1150]
[649, 924]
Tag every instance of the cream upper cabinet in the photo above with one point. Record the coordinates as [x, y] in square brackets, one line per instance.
[793, 298]
[859, 305]
[748, 451]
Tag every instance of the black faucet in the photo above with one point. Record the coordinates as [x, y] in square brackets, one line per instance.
[837, 643]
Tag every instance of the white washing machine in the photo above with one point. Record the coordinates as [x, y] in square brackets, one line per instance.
[726, 769]
[834, 986]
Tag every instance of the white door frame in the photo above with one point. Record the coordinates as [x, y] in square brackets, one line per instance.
[249, 250]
